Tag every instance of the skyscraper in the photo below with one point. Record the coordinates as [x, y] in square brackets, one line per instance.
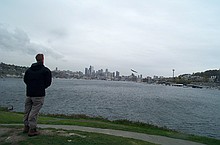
[117, 74]
[91, 70]
[86, 71]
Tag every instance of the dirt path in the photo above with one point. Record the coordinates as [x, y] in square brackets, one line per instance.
[161, 140]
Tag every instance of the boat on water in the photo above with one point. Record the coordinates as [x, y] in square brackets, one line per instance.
[189, 85]
[195, 86]
[178, 85]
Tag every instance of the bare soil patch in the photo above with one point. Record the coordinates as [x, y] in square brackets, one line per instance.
[15, 135]
[11, 135]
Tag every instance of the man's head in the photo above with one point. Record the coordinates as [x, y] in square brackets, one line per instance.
[39, 58]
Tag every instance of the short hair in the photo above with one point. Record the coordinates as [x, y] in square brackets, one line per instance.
[39, 57]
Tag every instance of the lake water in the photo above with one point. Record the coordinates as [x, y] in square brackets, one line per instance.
[189, 110]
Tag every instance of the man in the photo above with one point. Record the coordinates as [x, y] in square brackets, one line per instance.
[37, 78]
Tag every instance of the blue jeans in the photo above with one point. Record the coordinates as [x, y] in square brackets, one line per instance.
[32, 108]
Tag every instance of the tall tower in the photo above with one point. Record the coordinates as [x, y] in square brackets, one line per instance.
[86, 71]
[91, 69]
[173, 72]
[117, 74]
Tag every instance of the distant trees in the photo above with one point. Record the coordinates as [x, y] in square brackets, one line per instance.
[208, 73]
[214, 74]
[8, 70]
[182, 80]
[209, 76]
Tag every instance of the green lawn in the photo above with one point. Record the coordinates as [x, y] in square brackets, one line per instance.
[82, 120]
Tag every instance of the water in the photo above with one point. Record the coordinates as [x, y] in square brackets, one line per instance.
[194, 111]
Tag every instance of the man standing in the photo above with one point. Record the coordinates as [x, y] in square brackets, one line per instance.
[37, 78]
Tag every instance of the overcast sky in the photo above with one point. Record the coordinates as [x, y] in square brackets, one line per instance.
[150, 36]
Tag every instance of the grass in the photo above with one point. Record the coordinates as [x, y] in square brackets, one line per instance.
[82, 120]
[58, 137]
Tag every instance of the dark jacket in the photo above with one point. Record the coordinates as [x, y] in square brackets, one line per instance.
[37, 78]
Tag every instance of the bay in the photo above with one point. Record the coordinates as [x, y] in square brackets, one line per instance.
[189, 110]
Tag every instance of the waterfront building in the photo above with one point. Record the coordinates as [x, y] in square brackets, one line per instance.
[86, 72]
[117, 74]
[91, 70]
[113, 74]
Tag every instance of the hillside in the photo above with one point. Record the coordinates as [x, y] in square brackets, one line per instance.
[10, 70]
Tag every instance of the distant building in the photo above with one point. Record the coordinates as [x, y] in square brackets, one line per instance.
[113, 74]
[86, 72]
[117, 74]
[156, 77]
[91, 70]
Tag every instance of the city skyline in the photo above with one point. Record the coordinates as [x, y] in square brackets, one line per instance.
[88, 71]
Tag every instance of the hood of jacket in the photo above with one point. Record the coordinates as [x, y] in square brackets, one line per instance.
[37, 66]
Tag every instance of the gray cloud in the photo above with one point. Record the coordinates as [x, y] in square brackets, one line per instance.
[14, 39]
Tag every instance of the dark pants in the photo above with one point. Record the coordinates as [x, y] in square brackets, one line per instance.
[32, 108]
